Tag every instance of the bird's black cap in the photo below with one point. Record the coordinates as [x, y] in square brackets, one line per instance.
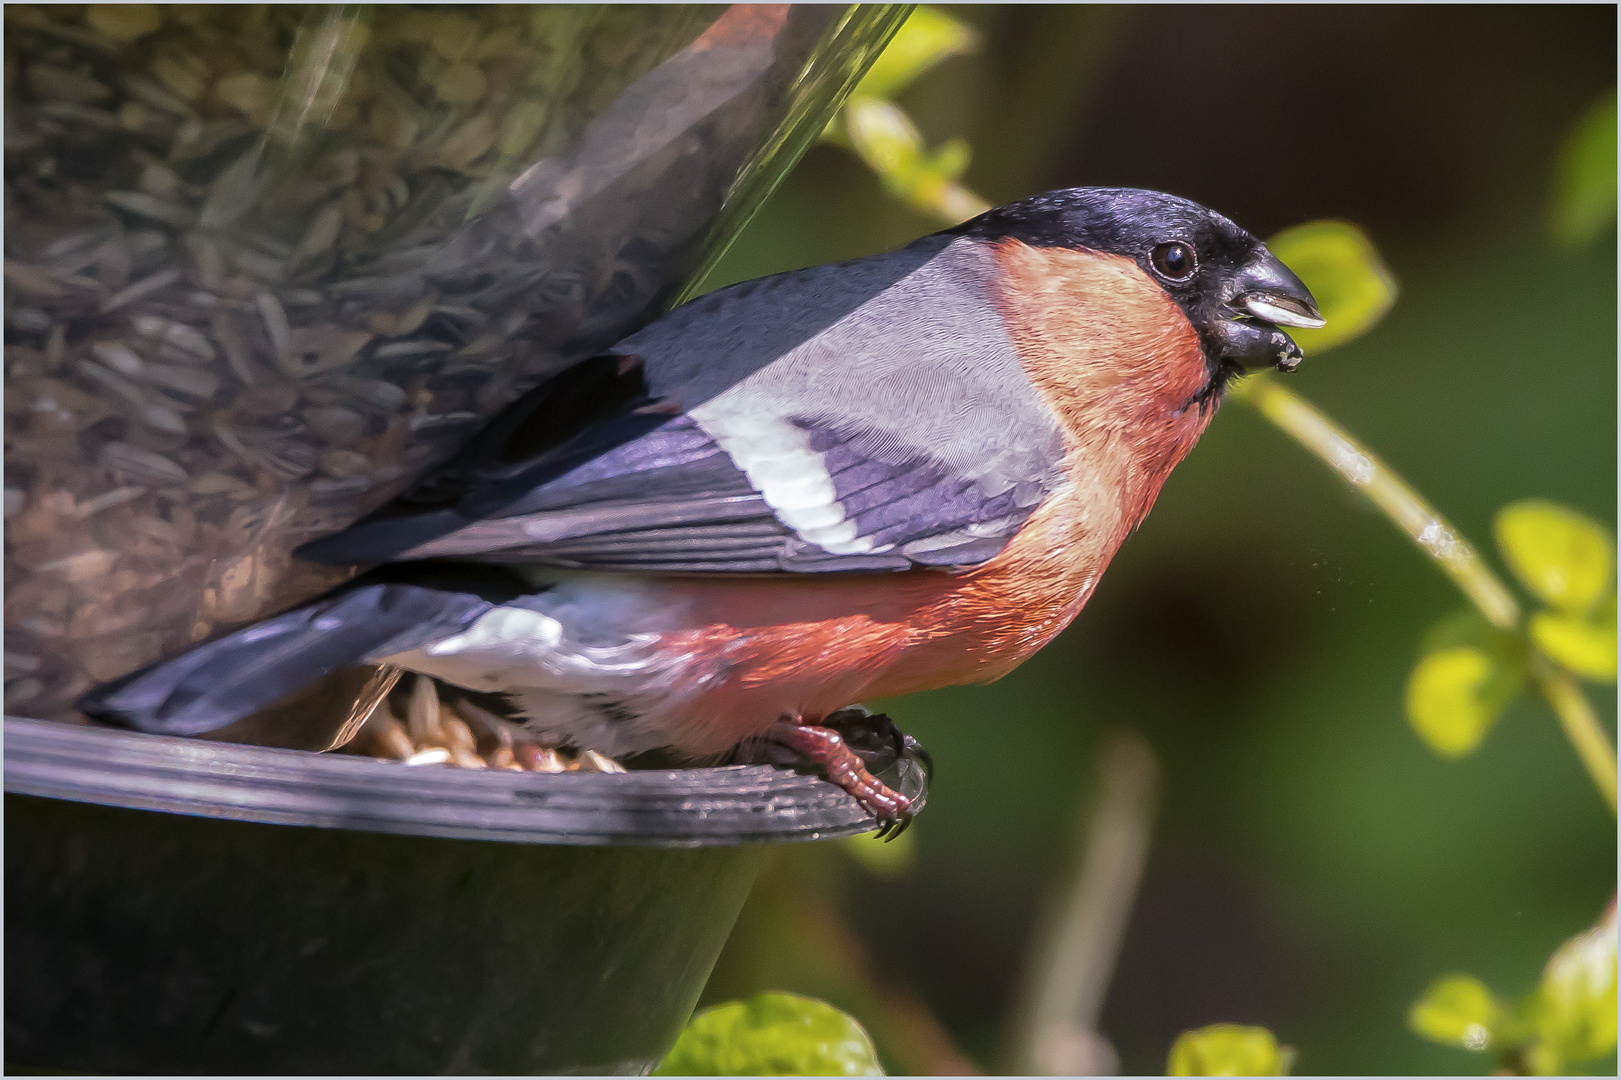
[1233, 290]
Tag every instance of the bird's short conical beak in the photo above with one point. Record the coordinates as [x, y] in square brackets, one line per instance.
[1266, 296]
[1271, 292]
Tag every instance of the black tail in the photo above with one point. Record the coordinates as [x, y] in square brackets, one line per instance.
[225, 680]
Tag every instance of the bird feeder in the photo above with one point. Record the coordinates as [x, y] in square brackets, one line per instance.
[265, 266]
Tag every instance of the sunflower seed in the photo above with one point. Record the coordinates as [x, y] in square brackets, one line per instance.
[343, 464]
[56, 347]
[19, 664]
[31, 279]
[126, 22]
[120, 386]
[23, 691]
[178, 334]
[335, 424]
[285, 459]
[82, 114]
[83, 240]
[400, 350]
[386, 735]
[591, 761]
[431, 423]
[382, 396]
[49, 81]
[28, 320]
[159, 181]
[399, 192]
[322, 347]
[118, 356]
[185, 76]
[538, 758]
[257, 265]
[150, 93]
[486, 722]
[422, 715]
[164, 418]
[77, 569]
[145, 287]
[276, 325]
[107, 500]
[122, 458]
[267, 400]
[147, 206]
[193, 382]
[216, 483]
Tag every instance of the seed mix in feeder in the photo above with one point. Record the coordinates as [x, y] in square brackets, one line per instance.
[249, 297]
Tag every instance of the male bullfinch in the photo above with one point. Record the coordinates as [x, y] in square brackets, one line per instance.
[793, 494]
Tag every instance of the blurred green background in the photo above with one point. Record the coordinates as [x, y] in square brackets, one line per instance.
[1314, 866]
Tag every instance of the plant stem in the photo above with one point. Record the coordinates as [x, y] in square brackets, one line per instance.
[1581, 725]
[1455, 556]
[1072, 961]
[1389, 492]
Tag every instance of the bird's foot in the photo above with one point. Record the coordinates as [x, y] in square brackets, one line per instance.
[835, 745]
[877, 739]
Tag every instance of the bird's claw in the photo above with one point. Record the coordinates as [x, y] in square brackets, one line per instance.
[914, 749]
[836, 746]
[889, 829]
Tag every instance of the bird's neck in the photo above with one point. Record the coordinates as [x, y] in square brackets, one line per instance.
[1117, 361]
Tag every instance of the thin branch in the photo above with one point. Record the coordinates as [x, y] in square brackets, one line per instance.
[1455, 556]
[1072, 963]
[1581, 725]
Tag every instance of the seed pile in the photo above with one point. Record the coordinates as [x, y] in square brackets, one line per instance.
[455, 731]
[249, 298]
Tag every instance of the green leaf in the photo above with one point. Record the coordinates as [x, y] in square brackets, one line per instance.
[1229, 1050]
[1339, 264]
[1562, 557]
[1455, 694]
[772, 1035]
[1584, 182]
[1457, 1010]
[1574, 1006]
[1468, 674]
[927, 37]
[1586, 644]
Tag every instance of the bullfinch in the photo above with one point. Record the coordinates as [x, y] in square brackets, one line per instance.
[793, 494]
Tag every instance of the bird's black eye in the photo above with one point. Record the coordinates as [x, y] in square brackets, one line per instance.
[1174, 261]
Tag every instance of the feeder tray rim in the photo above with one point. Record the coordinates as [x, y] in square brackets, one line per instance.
[702, 807]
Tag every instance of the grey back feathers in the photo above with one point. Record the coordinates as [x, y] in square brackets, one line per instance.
[868, 416]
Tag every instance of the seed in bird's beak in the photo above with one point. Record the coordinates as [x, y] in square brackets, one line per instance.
[1281, 311]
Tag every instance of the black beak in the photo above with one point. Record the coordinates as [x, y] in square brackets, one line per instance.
[1270, 291]
[1266, 295]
